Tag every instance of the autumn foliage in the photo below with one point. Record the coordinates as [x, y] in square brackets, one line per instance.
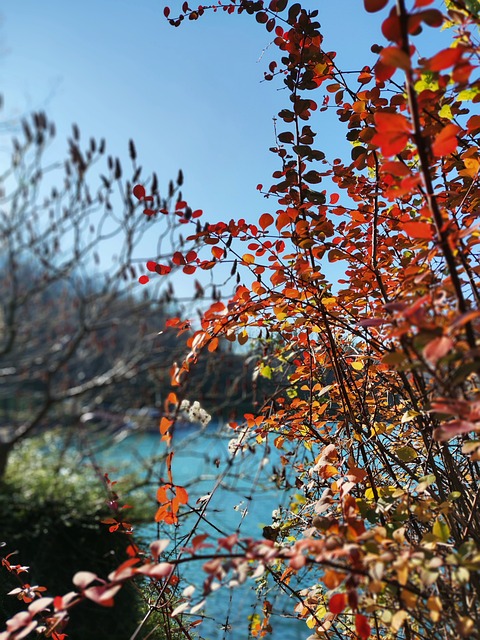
[377, 371]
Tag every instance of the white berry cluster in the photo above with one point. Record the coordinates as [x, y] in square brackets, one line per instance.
[194, 412]
[239, 443]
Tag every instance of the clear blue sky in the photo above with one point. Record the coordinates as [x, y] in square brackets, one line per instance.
[190, 97]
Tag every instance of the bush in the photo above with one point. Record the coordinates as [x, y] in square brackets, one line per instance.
[51, 506]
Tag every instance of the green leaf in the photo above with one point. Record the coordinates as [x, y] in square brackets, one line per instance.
[407, 454]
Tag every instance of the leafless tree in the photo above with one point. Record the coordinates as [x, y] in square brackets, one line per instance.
[73, 321]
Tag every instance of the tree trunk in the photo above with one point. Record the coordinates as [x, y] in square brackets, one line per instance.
[5, 448]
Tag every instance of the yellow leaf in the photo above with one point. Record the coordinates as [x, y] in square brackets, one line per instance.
[435, 606]
[446, 112]
[311, 622]
[328, 302]
[398, 620]
[472, 165]
[402, 574]
[357, 365]
[441, 530]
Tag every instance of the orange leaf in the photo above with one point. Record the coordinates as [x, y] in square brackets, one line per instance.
[387, 122]
[282, 220]
[182, 495]
[265, 220]
[421, 230]
[337, 603]
[165, 425]
[332, 579]
[213, 344]
[171, 398]
[397, 169]
[248, 258]
[218, 252]
[446, 141]
[445, 58]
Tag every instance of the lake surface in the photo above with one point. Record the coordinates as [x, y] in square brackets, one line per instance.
[243, 503]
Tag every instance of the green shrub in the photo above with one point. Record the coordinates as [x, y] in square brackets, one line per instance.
[51, 505]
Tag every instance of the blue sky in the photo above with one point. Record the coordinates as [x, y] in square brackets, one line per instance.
[191, 98]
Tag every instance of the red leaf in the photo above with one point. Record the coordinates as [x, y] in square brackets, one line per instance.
[337, 603]
[158, 547]
[362, 627]
[139, 191]
[393, 132]
[178, 258]
[374, 5]
[383, 72]
[446, 141]
[473, 124]
[189, 269]
[437, 348]
[103, 594]
[162, 269]
[432, 17]
[454, 428]
[445, 58]
[391, 29]
[197, 542]
[395, 57]
[39, 605]
[160, 570]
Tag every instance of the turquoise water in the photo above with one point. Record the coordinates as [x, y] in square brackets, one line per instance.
[243, 503]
